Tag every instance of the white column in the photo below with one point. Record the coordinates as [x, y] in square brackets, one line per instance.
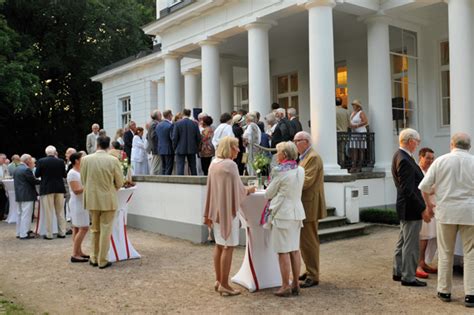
[161, 94]
[461, 65]
[173, 82]
[259, 68]
[227, 87]
[191, 92]
[380, 92]
[321, 83]
[210, 79]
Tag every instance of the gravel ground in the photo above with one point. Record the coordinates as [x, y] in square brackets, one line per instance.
[176, 276]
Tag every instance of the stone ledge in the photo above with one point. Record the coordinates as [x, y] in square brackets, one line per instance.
[352, 177]
[175, 179]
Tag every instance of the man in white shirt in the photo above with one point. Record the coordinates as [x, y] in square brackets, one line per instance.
[223, 130]
[453, 176]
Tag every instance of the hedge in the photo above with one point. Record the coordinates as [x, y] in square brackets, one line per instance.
[386, 216]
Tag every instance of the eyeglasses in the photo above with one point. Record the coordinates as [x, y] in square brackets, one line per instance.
[298, 140]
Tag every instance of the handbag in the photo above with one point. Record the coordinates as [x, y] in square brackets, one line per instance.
[245, 158]
[265, 218]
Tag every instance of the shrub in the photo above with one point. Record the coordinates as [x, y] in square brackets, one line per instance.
[386, 216]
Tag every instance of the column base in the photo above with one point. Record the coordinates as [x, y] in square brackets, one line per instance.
[334, 169]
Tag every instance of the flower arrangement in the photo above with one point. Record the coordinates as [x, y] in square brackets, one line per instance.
[126, 171]
[260, 163]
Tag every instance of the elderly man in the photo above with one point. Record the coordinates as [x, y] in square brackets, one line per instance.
[3, 197]
[152, 143]
[284, 130]
[14, 164]
[186, 139]
[128, 139]
[25, 194]
[295, 123]
[407, 175]
[92, 138]
[101, 177]
[314, 204]
[453, 176]
[52, 172]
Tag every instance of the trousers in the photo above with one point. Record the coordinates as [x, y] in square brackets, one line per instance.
[23, 223]
[309, 245]
[54, 202]
[407, 250]
[101, 229]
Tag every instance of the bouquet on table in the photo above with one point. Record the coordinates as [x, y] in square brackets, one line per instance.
[260, 164]
[126, 171]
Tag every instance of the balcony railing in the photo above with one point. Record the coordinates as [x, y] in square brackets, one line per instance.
[355, 150]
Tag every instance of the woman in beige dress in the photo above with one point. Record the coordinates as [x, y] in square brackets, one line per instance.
[225, 193]
[286, 215]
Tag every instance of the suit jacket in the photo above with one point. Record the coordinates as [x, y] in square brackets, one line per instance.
[25, 184]
[283, 132]
[101, 176]
[314, 201]
[127, 140]
[295, 123]
[407, 175]
[91, 143]
[186, 137]
[164, 131]
[52, 171]
[152, 139]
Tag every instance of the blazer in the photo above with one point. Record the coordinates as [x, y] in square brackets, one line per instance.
[25, 184]
[186, 137]
[314, 201]
[52, 171]
[91, 143]
[283, 132]
[151, 138]
[101, 177]
[295, 123]
[127, 143]
[407, 175]
[164, 131]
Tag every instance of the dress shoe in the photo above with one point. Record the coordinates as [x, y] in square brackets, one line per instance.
[78, 260]
[61, 236]
[227, 292]
[47, 238]
[421, 274]
[27, 237]
[416, 283]
[107, 265]
[303, 277]
[308, 283]
[93, 264]
[445, 297]
[283, 293]
[86, 256]
[397, 278]
[69, 232]
[469, 301]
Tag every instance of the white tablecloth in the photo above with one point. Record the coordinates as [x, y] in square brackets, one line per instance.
[260, 267]
[120, 246]
[13, 208]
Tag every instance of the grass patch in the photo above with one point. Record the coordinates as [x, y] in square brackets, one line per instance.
[10, 308]
[385, 216]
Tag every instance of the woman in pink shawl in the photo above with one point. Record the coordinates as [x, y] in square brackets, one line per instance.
[225, 193]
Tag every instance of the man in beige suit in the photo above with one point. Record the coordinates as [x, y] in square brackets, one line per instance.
[314, 204]
[91, 140]
[101, 177]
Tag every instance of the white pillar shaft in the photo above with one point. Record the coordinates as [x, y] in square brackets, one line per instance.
[161, 95]
[461, 65]
[380, 93]
[322, 86]
[173, 84]
[210, 80]
[227, 87]
[259, 68]
[191, 92]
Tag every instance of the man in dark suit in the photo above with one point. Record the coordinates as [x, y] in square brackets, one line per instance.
[52, 171]
[164, 131]
[128, 139]
[407, 175]
[295, 123]
[25, 194]
[283, 131]
[186, 139]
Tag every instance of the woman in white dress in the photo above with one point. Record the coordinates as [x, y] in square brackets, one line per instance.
[286, 215]
[139, 156]
[79, 216]
[358, 143]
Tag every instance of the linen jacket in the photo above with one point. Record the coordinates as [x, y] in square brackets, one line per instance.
[25, 184]
[186, 137]
[52, 173]
[407, 175]
[138, 149]
[91, 143]
[313, 198]
[164, 131]
[285, 193]
[101, 177]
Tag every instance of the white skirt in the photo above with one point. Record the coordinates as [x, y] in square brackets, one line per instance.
[428, 230]
[285, 235]
[79, 215]
[233, 239]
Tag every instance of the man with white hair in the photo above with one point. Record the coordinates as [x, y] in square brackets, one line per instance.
[25, 194]
[407, 175]
[13, 164]
[283, 131]
[91, 141]
[52, 171]
[452, 176]
[295, 123]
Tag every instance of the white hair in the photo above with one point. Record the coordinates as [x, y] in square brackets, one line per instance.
[95, 126]
[50, 150]
[252, 117]
[461, 140]
[281, 111]
[408, 134]
[292, 111]
[202, 115]
[270, 118]
[25, 158]
[305, 135]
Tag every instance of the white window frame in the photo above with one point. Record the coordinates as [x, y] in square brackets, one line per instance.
[290, 93]
[442, 68]
[127, 114]
[240, 102]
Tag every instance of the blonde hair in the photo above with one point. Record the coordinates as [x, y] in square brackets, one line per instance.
[224, 149]
[289, 149]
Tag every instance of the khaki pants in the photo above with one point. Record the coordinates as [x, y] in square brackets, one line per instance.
[54, 203]
[155, 165]
[446, 242]
[309, 244]
[101, 229]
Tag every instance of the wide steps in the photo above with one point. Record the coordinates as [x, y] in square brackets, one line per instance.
[340, 232]
[331, 222]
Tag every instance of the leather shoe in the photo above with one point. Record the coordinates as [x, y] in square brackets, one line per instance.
[69, 232]
[107, 265]
[303, 277]
[47, 238]
[93, 264]
[78, 260]
[27, 237]
[309, 283]
[61, 236]
[469, 301]
[445, 297]
[416, 283]
[397, 278]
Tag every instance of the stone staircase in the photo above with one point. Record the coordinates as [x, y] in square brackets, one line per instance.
[335, 227]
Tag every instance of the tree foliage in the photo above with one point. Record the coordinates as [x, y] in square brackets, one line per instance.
[49, 50]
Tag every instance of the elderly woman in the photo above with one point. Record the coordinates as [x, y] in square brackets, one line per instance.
[79, 216]
[358, 144]
[225, 193]
[272, 123]
[251, 136]
[286, 215]
[139, 156]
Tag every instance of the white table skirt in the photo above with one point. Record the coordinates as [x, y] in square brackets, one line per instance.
[120, 246]
[260, 268]
[13, 206]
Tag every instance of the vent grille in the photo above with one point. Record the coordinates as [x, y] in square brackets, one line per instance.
[365, 190]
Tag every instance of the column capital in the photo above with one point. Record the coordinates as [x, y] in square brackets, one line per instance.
[260, 23]
[160, 79]
[213, 41]
[171, 55]
[318, 3]
[378, 17]
[192, 71]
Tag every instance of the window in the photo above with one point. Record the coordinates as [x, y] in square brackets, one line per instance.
[445, 84]
[341, 82]
[125, 111]
[287, 91]
[242, 97]
[404, 60]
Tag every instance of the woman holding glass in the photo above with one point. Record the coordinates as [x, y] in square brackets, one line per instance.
[225, 193]
[286, 215]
